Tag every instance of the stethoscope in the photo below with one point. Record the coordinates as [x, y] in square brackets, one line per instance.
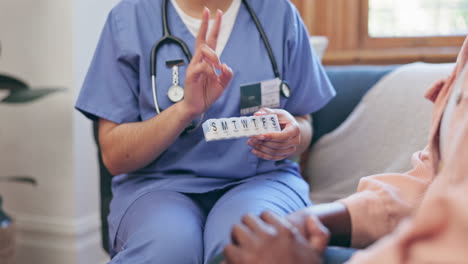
[176, 92]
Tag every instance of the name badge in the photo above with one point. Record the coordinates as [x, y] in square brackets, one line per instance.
[257, 95]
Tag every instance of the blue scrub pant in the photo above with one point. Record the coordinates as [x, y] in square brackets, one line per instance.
[333, 255]
[175, 228]
[338, 255]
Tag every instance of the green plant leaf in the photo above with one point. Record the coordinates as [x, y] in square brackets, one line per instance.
[19, 179]
[28, 95]
[11, 83]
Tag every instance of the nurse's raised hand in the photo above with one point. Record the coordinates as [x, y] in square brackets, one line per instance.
[292, 140]
[203, 85]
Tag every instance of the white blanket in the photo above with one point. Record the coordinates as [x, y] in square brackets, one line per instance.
[389, 124]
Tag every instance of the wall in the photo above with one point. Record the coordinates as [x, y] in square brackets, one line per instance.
[88, 19]
[50, 43]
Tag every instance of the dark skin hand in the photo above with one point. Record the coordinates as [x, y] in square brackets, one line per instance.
[324, 224]
[269, 239]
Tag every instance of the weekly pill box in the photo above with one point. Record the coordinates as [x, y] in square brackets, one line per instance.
[237, 127]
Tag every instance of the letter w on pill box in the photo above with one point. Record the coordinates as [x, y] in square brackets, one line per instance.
[237, 127]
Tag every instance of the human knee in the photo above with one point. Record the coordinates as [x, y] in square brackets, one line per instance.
[166, 231]
[161, 244]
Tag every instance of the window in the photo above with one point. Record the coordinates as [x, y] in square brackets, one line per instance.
[387, 31]
[417, 18]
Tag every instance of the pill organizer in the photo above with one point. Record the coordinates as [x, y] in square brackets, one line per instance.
[237, 127]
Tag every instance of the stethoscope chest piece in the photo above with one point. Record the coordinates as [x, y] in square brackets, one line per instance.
[285, 90]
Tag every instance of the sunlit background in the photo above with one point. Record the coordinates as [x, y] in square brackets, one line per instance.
[404, 18]
[50, 43]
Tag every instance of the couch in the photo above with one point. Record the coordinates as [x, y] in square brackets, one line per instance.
[346, 143]
[374, 125]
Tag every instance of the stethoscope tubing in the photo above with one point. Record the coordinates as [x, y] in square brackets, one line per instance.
[169, 38]
[264, 37]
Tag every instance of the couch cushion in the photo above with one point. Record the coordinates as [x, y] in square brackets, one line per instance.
[351, 83]
[389, 124]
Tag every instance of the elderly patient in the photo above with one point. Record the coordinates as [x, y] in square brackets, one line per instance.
[423, 213]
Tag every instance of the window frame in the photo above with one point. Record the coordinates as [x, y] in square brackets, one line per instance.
[368, 42]
[345, 23]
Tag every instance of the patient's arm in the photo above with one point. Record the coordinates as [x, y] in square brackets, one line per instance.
[374, 211]
[383, 200]
[437, 232]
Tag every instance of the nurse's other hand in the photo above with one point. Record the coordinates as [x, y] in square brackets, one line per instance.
[277, 145]
[269, 239]
[203, 85]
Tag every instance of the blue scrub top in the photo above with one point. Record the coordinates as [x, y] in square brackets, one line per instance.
[118, 88]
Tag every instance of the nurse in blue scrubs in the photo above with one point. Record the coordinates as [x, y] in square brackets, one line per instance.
[177, 196]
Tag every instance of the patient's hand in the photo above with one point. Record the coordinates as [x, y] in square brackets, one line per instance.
[268, 239]
[309, 225]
